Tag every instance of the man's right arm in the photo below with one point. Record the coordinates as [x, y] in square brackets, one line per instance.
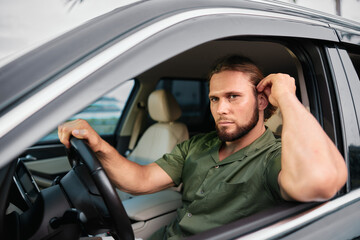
[126, 175]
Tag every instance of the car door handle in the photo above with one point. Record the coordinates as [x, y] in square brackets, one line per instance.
[28, 158]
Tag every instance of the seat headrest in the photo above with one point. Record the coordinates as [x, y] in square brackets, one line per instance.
[163, 107]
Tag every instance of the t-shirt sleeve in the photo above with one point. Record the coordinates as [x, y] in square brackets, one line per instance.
[173, 163]
[272, 172]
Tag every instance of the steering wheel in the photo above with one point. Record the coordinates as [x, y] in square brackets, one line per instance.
[81, 152]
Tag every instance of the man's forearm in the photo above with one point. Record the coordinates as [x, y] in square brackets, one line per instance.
[126, 175]
[312, 167]
[131, 177]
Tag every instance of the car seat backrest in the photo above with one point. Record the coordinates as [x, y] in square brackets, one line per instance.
[165, 134]
[274, 123]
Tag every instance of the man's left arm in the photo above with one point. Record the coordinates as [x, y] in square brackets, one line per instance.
[312, 168]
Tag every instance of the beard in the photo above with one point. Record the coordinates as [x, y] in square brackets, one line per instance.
[240, 131]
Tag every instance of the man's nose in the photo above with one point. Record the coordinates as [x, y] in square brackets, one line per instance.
[223, 107]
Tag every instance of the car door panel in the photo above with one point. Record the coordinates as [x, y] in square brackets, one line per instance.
[48, 161]
[46, 170]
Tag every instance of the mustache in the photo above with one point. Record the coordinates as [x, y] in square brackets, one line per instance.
[224, 119]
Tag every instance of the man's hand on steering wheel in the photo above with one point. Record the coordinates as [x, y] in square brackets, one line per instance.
[80, 129]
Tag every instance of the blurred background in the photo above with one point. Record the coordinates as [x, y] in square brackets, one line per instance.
[346, 8]
[25, 24]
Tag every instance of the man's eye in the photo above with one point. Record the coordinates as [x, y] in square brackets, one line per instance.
[233, 96]
[213, 99]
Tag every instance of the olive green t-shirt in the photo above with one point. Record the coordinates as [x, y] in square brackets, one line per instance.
[218, 192]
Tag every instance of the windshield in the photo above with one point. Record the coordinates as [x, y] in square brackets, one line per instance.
[26, 24]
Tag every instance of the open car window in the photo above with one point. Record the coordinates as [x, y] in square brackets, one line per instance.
[103, 114]
[192, 96]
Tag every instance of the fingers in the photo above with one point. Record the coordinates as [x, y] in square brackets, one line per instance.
[260, 87]
[80, 133]
[64, 135]
[266, 82]
[88, 134]
[275, 86]
[281, 82]
[77, 128]
[267, 91]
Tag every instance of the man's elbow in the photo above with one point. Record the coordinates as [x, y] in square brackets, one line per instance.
[324, 186]
[318, 186]
[326, 190]
[333, 184]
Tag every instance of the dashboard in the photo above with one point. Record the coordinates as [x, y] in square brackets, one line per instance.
[26, 185]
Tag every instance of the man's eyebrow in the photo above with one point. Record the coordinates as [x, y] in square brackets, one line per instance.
[227, 93]
[235, 93]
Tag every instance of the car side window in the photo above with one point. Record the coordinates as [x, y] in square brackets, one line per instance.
[103, 114]
[355, 58]
[192, 96]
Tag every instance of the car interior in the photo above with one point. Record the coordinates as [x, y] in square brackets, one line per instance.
[193, 65]
[169, 104]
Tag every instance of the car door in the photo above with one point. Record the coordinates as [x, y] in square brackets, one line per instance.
[339, 215]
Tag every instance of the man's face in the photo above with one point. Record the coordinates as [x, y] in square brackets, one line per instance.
[233, 104]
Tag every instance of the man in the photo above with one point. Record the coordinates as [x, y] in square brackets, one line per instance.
[242, 168]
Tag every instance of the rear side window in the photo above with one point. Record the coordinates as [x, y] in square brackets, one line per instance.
[104, 114]
[355, 58]
[354, 151]
[192, 96]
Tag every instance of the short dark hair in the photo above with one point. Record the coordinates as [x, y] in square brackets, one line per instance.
[245, 65]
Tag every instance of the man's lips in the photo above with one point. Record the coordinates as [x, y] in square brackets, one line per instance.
[224, 122]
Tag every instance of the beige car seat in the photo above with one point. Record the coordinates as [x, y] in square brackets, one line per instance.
[274, 123]
[162, 136]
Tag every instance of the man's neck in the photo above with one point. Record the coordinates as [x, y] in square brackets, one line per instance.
[228, 148]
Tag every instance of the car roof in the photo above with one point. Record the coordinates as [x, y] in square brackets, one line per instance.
[70, 49]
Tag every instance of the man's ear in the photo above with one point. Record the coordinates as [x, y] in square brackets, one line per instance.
[262, 101]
